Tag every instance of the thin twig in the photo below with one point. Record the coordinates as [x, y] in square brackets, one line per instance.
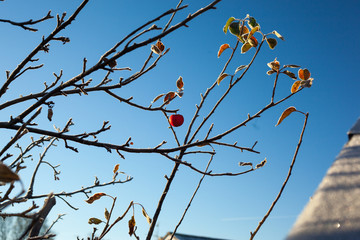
[252, 234]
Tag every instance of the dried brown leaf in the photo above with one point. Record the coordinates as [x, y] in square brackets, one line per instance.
[158, 97]
[6, 175]
[295, 86]
[95, 221]
[132, 224]
[95, 197]
[169, 96]
[180, 83]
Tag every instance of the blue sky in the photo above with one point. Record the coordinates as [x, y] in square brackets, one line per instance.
[320, 36]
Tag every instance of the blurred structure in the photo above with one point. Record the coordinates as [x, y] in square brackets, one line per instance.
[334, 210]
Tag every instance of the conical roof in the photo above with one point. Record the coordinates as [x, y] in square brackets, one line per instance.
[334, 210]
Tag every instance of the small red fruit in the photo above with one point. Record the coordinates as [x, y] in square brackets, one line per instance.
[176, 120]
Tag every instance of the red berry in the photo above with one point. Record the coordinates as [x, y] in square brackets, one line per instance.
[176, 120]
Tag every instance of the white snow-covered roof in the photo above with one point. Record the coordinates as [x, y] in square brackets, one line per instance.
[179, 236]
[334, 210]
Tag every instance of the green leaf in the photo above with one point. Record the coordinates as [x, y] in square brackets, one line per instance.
[230, 20]
[278, 35]
[245, 47]
[240, 68]
[252, 22]
[234, 28]
[290, 74]
[272, 42]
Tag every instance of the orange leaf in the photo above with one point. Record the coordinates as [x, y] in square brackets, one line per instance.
[285, 114]
[6, 175]
[95, 197]
[304, 74]
[116, 168]
[222, 48]
[160, 45]
[169, 96]
[295, 86]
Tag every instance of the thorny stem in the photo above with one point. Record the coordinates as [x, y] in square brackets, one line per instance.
[284, 183]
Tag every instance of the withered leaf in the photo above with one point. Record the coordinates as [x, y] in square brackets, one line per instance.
[263, 162]
[6, 175]
[245, 164]
[270, 72]
[290, 74]
[304, 74]
[107, 214]
[95, 197]
[158, 97]
[116, 168]
[291, 66]
[278, 35]
[179, 83]
[285, 114]
[132, 224]
[155, 49]
[221, 77]
[95, 221]
[169, 96]
[239, 68]
[222, 48]
[160, 46]
[148, 219]
[50, 114]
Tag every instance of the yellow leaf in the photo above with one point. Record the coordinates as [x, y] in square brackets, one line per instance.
[245, 47]
[6, 175]
[222, 48]
[180, 83]
[221, 77]
[285, 114]
[230, 20]
[95, 197]
[158, 97]
[132, 224]
[95, 221]
[116, 168]
[295, 86]
[148, 219]
[107, 214]
[254, 30]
